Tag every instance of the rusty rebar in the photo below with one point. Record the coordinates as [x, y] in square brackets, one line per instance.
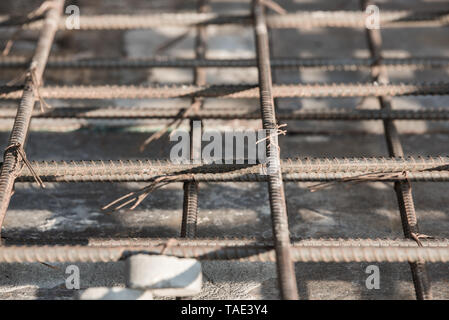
[299, 19]
[247, 175]
[319, 170]
[224, 242]
[403, 189]
[312, 90]
[312, 253]
[285, 266]
[11, 163]
[326, 64]
[191, 188]
[140, 112]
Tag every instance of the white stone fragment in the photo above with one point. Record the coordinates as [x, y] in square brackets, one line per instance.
[163, 275]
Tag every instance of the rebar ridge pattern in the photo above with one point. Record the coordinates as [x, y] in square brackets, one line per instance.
[300, 19]
[314, 90]
[326, 64]
[21, 254]
[279, 220]
[11, 162]
[403, 188]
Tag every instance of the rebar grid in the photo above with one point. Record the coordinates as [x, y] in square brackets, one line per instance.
[398, 169]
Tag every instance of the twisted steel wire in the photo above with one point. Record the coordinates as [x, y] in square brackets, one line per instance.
[309, 253]
[315, 90]
[326, 64]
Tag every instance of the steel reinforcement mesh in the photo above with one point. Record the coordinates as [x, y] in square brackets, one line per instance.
[415, 249]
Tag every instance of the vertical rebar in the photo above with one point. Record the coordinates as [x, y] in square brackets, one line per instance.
[190, 204]
[285, 266]
[12, 163]
[403, 189]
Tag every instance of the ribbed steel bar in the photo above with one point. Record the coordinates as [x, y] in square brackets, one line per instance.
[327, 64]
[279, 219]
[228, 242]
[116, 112]
[252, 176]
[335, 254]
[346, 169]
[403, 189]
[12, 163]
[299, 19]
[313, 90]
[191, 188]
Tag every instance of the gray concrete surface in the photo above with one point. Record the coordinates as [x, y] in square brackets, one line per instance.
[231, 209]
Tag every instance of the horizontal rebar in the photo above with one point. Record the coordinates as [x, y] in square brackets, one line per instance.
[310, 253]
[330, 64]
[116, 112]
[314, 90]
[230, 242]
[299, 19]
[324, 169]
[237, 176]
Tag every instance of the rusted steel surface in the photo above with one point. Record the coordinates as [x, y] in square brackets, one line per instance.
[139, 112]
[12, 158]
[190, 201]
[300, 19]
[279, 220]
[315, 90]
[21, 254]
[403, 189]
[415, 249]
[325, 64]
[227, 242]
[347, 169]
